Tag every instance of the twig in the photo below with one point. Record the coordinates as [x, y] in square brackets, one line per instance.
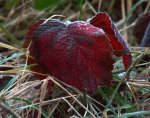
[125, 78]
[80, 93]
[42, 96]
[91, 7]
[99, 5]
[72, 96]
[2, 105]
[9, 35]
[56, 104]
[72, 107]
[127, 27]
[123, 9]
[147, 7]
[123, 69]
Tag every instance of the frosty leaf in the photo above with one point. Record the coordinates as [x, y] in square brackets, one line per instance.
[103, 21]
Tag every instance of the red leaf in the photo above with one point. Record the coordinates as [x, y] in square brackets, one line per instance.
[78, 53]
[103, 21]
[27, 42]
[31, 59]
